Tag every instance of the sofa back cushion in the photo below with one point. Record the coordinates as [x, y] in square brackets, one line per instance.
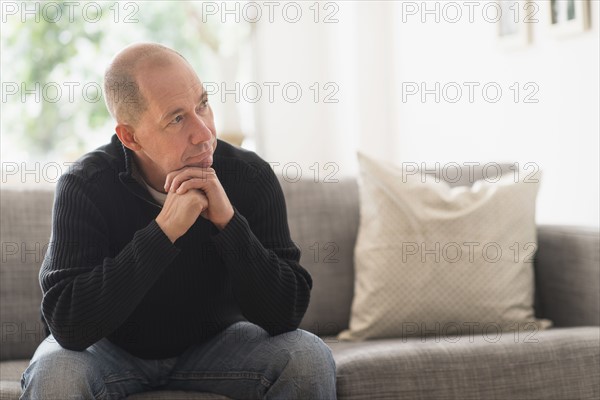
[323, 219]
[25, 232]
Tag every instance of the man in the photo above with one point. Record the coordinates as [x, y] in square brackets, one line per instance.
[170, 264]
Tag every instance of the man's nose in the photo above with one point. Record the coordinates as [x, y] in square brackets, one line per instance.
[200, 131]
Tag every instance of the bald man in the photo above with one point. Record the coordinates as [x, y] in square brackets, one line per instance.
[170, 264]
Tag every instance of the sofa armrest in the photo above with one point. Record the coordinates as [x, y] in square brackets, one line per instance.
[567, 275]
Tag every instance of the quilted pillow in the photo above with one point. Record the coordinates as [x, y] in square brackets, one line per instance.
[435, 260]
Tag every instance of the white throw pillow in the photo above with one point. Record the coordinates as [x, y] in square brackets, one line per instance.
[436, 260]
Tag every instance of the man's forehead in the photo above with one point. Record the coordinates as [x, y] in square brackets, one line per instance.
[163, 72]
[194, 90]
[172, 89]
[165, 106]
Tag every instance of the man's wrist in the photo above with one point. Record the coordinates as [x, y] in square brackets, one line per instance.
[163, 226]
[221, 226]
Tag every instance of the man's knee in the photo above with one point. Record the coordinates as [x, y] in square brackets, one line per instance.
[308, 352]
[61, 374]
[309, 369]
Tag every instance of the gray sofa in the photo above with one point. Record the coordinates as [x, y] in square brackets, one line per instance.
[560, 363]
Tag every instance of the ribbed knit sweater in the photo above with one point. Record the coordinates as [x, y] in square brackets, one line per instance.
[110, 271]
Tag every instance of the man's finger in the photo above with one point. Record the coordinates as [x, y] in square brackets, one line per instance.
[199, 181]
[171, 175]
[189, 184]
[174, 178]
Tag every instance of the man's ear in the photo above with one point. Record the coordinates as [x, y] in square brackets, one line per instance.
[126, 136]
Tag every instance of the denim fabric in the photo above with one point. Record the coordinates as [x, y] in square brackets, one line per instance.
[241, 362]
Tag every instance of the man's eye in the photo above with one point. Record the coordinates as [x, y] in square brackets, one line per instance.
[177, 119]
[202, 106]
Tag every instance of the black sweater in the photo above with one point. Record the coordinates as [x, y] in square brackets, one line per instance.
[110, 271]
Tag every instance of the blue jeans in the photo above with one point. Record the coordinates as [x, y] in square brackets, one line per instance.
[241, 362]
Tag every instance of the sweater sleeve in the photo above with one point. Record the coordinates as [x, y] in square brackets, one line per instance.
[270, 286]
[86, 293]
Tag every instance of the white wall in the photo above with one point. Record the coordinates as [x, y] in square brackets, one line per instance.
[370, 53]
[559, 133]
[306, 131]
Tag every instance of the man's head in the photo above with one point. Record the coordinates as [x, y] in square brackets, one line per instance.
[161, 110]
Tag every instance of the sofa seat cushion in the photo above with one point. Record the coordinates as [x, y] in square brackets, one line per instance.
[560, 363]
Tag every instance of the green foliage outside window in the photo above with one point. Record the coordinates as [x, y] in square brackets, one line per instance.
[55, 61]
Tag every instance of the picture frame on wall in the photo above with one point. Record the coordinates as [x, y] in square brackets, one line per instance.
[514, 31]
[568, 17]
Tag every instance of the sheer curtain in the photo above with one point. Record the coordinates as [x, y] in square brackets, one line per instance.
[344, 68]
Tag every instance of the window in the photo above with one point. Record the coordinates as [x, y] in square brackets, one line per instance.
[53, 59]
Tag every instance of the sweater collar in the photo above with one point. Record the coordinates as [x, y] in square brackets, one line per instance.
[127, 175]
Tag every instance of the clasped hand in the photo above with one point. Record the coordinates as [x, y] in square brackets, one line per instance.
[191, 192]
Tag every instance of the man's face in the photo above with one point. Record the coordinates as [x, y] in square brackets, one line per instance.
[177, 129]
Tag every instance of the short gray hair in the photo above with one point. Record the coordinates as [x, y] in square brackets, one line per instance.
[122, 94]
